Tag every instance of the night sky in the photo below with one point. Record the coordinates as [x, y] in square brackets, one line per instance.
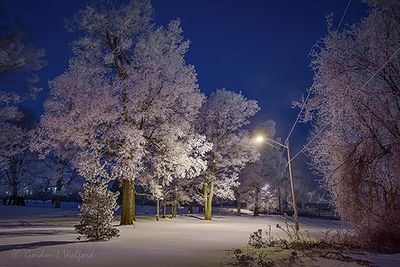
[259, 47]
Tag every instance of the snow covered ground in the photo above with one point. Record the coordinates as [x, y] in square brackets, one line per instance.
[44, 236]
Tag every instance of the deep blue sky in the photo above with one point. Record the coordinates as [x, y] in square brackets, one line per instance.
[259, 47]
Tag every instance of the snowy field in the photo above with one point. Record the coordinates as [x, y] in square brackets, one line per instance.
[44, 236]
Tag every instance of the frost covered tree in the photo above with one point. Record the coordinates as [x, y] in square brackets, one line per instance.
[16, 55]
[273, 166]
[178, 160]
[63, 176]
[221, 120]
[260, 182]
[97, 210]
[355, 105]
[110, 34]
[250, 187]
[76, 122]
[56, 157]
[128, 86]
[14, 156]
[18, 60]
[60, 175]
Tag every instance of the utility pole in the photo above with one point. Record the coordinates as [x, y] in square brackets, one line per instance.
[294, 202]
[260, 139]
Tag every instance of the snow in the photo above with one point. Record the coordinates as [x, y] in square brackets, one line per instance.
[50, 239]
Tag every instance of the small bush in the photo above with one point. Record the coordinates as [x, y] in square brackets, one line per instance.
[97, 212]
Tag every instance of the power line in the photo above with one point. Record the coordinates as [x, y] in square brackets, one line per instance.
[290, 159]
[308, 95]
[357, 92]
[298, 116]
[344, 14]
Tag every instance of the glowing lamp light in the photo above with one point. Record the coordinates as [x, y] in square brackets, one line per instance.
[259, 139]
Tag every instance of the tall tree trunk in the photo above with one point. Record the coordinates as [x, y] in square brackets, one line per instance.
[157, 209]
[256, 208]
[14, 197]
[164, 208]
[201, 208]
[190, 208]
[14, 201]
[205, 194]
[128, 186]
[128, 202]
[238, 205]
[208, 196]
[58, 193]
[174, 208]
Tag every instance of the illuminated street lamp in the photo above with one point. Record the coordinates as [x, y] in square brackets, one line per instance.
[260, 139]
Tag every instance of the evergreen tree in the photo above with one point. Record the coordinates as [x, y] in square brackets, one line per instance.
[98, 206]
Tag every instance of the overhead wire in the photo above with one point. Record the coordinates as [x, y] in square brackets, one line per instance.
[356, 93]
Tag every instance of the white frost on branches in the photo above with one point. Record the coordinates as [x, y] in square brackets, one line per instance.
[355, 104]
[221, 119]
[127, 101]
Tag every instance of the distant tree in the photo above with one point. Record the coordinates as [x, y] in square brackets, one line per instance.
[261, 182]
[15, 157]
[16, 58]
[57, 156]
[251, 186]
[355, 105]
[221, 120]
[178, 160]
[66, 175]
[41, 188]
[17, 55]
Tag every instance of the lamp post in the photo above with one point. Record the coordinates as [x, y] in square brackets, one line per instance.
[261, 139]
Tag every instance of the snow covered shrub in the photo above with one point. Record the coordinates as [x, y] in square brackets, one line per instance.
[249, 258]
[97, 209]
[355, 107]
[256, 240]
[294, 247]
